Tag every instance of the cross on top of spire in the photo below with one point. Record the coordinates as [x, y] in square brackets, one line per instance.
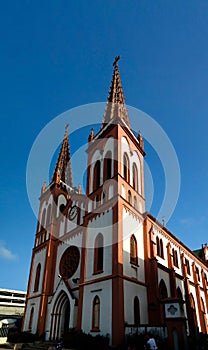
[117, 58]
[116, 107]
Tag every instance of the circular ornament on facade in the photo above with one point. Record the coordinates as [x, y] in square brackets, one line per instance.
[69, 262]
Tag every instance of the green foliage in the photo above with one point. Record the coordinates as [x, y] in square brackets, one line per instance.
[80, 341]
[21, 337]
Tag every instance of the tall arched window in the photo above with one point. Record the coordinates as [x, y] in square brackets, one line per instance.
[37, 278]
[96, 175]
[161, 248]
[179, 294]
[175, 257]
[159, 245]
[135, 177]
[98, 254]
[43, 219]
[48, 220]
[163, 294]
[133, 250]
[136, 312]
[129, 197]
[192, 315]
[126, 167]
[204, 318]
[96, 314]
[107, 166]
[31, 319]
[135, 202]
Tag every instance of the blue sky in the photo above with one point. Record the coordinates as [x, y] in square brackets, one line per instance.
[56, 55]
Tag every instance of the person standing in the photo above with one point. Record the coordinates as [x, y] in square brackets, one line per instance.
[151, 343]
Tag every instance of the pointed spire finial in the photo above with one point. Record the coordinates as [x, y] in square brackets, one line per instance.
[116, 107]
[117, 58]
[63, 169]
[66, 129]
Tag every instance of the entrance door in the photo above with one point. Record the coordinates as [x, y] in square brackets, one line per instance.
[60, 317]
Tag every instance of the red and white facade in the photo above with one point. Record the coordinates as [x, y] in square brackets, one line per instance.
[100, 263]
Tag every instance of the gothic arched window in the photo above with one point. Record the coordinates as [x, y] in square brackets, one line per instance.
[179, 293]
[163, 294]
[107, 166]
[43, 219]
[98, 254]
[136, 311]
[161, 248]
[31, 319]
[96, 175]
[37, 278]
[133, 250]
[129, 197]
[135, 202]
[159, 245]
[135, 177]
[96, 314]
[203, 316]
[48, 220]
[175, 257]
[126, 167]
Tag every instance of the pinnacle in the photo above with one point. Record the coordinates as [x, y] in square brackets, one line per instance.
[116, 107]
[63, 169]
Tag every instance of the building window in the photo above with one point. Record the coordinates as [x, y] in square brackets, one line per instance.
[203, 316]
[107, 166]
[198, 274]
[37, 278]
[48, 220]
[187, 266]
[163, 294]
[129, 197]
[159, 245]
[96, 314]
[126, 167]
[161, 248]
[175, 257]
[179, 294]
[193, 318]
[43, 219]
[31, 319]
[133, 250]
[135, 202]
[135, 177]
[98, 254]
[103, 197]
[136, 312]
[96, 175]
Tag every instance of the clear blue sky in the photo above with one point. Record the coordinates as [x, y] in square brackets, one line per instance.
[56, 55]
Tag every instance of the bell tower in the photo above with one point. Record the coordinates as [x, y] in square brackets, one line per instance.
[115, 189]
[44, 256]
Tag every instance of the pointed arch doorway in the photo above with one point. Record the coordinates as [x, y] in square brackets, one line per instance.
[60, 317]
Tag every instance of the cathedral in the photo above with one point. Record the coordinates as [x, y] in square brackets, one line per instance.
[100, 262]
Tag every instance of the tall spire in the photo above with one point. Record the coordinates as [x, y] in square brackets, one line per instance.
[63, 169]
[116, 107]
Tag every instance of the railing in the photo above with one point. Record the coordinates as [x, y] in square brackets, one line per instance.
[159, 331]
[4, 331]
